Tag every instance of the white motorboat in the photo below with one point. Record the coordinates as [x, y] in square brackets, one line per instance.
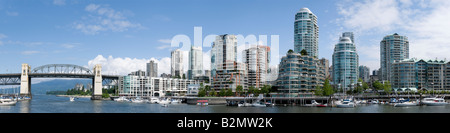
[375, 101]
[164, 102]
[405, 104]
[346, 103]
[314, 103]
[175, 101]
[244, 105]
[7, 102]
[137, 100]
[121, 99]
[72, 99]
[258, 104]
[154, 100]
[434, 101]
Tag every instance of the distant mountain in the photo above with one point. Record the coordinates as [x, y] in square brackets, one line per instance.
[57, 85]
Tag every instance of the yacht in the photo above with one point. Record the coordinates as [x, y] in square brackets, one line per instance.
[406, 103]
[121, 99]
[345, 103]
[434, 101]
[7, 102]
[137, 100]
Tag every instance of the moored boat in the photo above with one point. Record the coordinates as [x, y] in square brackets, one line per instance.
[434, 101]
[7, 102]
[346, 103]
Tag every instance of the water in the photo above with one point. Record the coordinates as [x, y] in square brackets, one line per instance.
[53, 104]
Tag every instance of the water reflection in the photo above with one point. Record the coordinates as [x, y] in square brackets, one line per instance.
[25, 106]
[97, 104]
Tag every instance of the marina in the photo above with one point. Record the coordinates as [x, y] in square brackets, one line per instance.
[53, 104]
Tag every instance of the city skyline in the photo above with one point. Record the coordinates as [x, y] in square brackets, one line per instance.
[115, 34]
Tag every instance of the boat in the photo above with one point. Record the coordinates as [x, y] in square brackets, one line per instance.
[346, 103]
[258, 104]
[175, 101]
[244, 104]
[154, 100]
[121, 99]
[164, 102]
[72, 99]
[7, 102]
[137, 100]
[434, 101]
[314, 103]
[374, 101]
[405, 104]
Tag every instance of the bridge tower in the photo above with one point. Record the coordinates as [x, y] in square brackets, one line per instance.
[25, 81]
[97, 82]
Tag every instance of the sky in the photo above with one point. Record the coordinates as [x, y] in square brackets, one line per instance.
[124, 35]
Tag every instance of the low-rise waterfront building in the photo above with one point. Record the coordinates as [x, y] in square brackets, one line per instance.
[229, 75]
[145, 86]
[299, 75]
[413, 74]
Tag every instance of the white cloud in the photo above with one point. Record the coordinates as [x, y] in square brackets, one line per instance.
[68, 46]
[103, 18]
[29, 52]
[163, 47]
[123, 66]
[370, 15]
[59, 2]
[165, 41]
[425, 23]
[2, 36]
[12, 13]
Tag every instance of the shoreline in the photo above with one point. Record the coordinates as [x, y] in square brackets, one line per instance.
[82, 96]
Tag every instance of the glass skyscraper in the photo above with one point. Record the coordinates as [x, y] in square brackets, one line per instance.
[195, 62]
[392, 48]
[177, 63]
[306, 33]
[345, 64]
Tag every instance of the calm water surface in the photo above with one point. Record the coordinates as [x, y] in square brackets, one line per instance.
[53, 104]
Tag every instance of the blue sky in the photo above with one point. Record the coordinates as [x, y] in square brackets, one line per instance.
[123, 35]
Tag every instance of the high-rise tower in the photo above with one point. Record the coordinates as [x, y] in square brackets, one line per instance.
[306, 33]
[392, 48]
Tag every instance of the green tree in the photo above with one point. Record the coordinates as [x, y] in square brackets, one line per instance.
[239, 90]
[266, 89]
[290, 51]
[377, 85]
[201, 93]
[319, 91]
[303, 52]
[327, 89]
[222, 92]
[212, 93]
[229, 92]
[387, 87]
[251, 90]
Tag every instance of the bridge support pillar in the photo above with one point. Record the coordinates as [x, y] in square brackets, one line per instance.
[97, 83]
[25, 81]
